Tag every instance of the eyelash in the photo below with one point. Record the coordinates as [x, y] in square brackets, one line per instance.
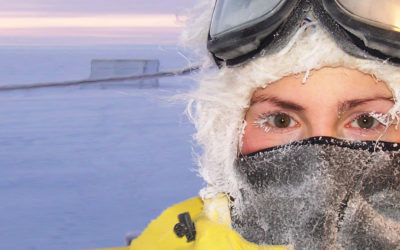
[263, 121]
[376, 124]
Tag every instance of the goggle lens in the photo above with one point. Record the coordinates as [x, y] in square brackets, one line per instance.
[383, 13]
[234, 14]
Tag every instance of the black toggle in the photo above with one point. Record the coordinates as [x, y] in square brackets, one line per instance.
[185, 227]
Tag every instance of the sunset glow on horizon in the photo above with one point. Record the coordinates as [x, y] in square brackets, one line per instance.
[76, 22]
[99, 29]
[106, 21]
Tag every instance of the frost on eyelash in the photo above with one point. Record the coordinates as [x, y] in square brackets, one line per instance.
[261, 123]
[386, 119]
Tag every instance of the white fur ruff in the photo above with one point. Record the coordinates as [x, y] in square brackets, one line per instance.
[217, 108]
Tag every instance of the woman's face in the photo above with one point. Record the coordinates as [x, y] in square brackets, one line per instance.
[335, 102]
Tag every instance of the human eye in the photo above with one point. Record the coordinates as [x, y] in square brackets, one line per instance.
[276, 120]
[364, 121]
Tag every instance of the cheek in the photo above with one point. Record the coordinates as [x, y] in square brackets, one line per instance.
[250, 140]
[392, 134]
[255, 139]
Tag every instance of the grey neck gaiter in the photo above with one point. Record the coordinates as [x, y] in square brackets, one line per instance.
[320, 193]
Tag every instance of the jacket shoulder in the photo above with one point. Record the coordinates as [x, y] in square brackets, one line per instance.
[159, 234]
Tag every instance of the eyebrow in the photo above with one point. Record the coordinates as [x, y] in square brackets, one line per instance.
[278, 102]
[347, 105]
[343, 106]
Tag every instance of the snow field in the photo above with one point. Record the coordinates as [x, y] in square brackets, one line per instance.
[81, 167]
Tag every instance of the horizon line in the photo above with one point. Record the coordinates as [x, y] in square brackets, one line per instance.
[94, 21]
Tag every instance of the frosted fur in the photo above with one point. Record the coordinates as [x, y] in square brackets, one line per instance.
[218, 106]
[194, 35]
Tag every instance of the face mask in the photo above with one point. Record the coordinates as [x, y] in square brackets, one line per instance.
[320, 193]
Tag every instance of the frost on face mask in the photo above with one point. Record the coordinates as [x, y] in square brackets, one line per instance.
[321, 193]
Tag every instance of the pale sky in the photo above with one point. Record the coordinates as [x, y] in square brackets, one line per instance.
[87, 22]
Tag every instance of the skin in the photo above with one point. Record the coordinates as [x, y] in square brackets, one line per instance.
[331, 103]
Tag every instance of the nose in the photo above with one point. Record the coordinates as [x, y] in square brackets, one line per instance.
[323, 128]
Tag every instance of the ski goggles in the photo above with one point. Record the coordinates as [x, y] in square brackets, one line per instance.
[242, 29]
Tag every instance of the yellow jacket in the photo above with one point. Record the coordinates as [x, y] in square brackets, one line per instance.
[212, 223]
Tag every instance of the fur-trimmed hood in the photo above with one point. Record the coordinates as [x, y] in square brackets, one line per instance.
[218, 107]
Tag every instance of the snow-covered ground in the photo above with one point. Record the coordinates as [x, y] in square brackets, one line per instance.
[81, 167]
